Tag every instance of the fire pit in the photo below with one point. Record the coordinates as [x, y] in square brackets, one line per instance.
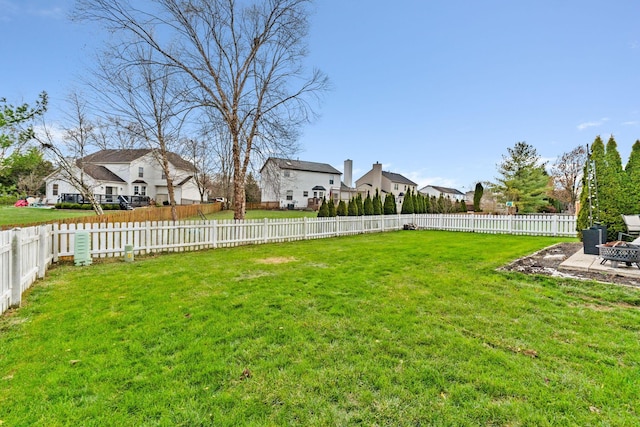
[620, 252]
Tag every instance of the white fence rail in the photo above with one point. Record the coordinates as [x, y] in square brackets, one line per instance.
[26, 253]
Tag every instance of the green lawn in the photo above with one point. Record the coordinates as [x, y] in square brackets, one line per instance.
[11, 215]
[401, 328]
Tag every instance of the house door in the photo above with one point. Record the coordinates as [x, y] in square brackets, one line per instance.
[109, 192]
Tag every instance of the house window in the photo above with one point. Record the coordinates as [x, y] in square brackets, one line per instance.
[331, 180]
[395, 186]
[164, 175]
[287, 174]
[139, 190]
[289, 194]
[55, 189]
[305, 194]
[140, 172]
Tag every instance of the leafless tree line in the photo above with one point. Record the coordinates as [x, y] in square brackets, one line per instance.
[221, 82]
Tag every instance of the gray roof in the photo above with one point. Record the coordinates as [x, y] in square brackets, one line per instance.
[445, 190]
[303, 166]
[396, 177]
[127, 156]
[100, 173]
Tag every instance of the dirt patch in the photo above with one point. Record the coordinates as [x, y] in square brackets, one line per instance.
[276, 260]
[547, 262]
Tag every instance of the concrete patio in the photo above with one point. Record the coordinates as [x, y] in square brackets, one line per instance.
[591, 263]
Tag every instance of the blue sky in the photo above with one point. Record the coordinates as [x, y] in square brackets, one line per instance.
[434, 90]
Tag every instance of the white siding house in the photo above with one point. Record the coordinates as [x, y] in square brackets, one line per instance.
[436, 191]
[297, 184]
[112, 173]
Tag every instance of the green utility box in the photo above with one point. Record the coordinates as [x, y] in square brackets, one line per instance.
[82, 248]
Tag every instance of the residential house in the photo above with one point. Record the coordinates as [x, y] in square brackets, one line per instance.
[135, 172]
[386, 182]
[297, 184]
[436, 191]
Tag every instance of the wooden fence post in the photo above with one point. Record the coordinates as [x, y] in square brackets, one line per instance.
[16, 270]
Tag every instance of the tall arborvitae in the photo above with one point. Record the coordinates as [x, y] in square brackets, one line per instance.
[332, 207]
[416, 208]
[342, 209]
[611, 195]
[440, 205]
[323, 212]
[352, 207]
[427, 204]
[368, 205]
[359, 204]
[377, 204]
[456, 206]
[590, 207]
[477, 197]
[463, 206]
[407, 204]
[632, 170]
[390, 205]
[419, 202]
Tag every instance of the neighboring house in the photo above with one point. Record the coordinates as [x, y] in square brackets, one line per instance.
[137, 172]
[297, 184]
[386, 182]
[451, 193]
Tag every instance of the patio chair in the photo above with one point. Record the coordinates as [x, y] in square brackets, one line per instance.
[633, 227]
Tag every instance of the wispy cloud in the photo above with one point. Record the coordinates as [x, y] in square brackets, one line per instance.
[631, 123]
[9, 9]
[51, 12]
[586, 125]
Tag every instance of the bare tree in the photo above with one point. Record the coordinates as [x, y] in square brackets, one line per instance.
[197, 152]
[142, 95]
[566, 173]
[114, 132]
[69, 149]
[241, 60]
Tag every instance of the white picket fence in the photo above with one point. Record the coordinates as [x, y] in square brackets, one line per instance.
[25, 254]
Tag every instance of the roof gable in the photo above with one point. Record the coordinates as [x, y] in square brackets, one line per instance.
[302, 166]
[129, 155]
[396, 177]
[446, 190]
[100, 173]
